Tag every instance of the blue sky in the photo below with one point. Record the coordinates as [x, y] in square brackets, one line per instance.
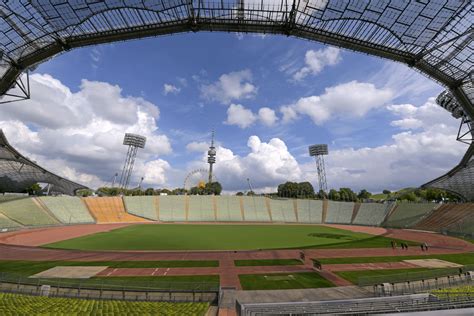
[199, 82]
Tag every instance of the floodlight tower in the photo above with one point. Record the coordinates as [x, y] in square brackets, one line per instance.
[319, 151]
[133, 142]
[211, 157]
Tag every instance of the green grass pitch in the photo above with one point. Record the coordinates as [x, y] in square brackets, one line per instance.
[222, 237]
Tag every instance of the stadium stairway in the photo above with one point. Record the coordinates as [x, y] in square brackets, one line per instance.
[110, 210]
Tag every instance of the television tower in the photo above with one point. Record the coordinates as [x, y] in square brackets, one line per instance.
[211, 157]
[133, 142]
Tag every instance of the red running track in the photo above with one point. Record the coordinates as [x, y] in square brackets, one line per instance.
[19, 246]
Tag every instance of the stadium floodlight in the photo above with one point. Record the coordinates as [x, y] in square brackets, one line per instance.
[133, 141]
[319, 151]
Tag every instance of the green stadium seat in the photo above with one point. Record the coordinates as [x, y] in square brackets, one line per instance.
[143, 206]
[339, 212]
[68, 209]
[172, 208]
[228, 208]
[408, 214]
[282, 210]
[310, 211]
[27, 212]
[255, 209]
[371, 214]
[201, 208]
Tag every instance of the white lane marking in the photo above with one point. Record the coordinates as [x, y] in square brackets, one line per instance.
[111, 272]
[154, 272]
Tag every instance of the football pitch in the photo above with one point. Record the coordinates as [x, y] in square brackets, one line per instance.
[222, 237]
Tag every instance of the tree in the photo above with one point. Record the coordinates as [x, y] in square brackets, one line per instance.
[288, 189]
[239, 193]
[364, 194]
[386, 192]
[347, 195]
[84, 192]
[149, 191]
[334, 195]
[250, 193]
[33, 189]
[408, 196]
[305, 189]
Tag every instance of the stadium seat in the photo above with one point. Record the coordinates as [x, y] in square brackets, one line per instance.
[143, 206]
[371, 214]
[110, 210]
[201, 208]
[255, 209]
[446, 215]
[27, 212]
[310, 211]
[282, 210]
[406, 215]
[339, 212]
[6, 223]
[228, 208]
[172, 208]
[68, 209]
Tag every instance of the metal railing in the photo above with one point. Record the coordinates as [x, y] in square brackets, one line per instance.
[110, 288]
[413, 276]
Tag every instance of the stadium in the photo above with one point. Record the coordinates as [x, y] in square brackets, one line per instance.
[67, 253]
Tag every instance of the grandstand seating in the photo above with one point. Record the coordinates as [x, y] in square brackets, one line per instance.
[282, 210]
[228, 208]
[339, 212]
[11, 197]
[110, 210]
[201, 208]
[465, 226]
[371, 214]
[255, 209]
[445, 216]
[309, 211]
[6, 223]
[172, 208]
[143, 206]
[17, 304]
[408, 214]
[68, 209]
[27, 212]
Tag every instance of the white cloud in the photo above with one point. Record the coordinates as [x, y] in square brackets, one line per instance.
[79, 134]
[267, 116]
[317, 60]
[169, 88]
[266, 165]
[197, 146]
[427, 115]
[232, 86]
[351, 99]
[240, 116]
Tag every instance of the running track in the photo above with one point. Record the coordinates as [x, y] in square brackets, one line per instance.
[22, 245]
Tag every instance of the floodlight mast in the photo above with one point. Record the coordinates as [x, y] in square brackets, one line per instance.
[319, 151]
[133, 142]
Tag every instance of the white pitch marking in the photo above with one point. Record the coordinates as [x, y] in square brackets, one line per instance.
[154, 272]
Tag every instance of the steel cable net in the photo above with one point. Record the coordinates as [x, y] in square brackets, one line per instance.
[433, 36]
[18, 172]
